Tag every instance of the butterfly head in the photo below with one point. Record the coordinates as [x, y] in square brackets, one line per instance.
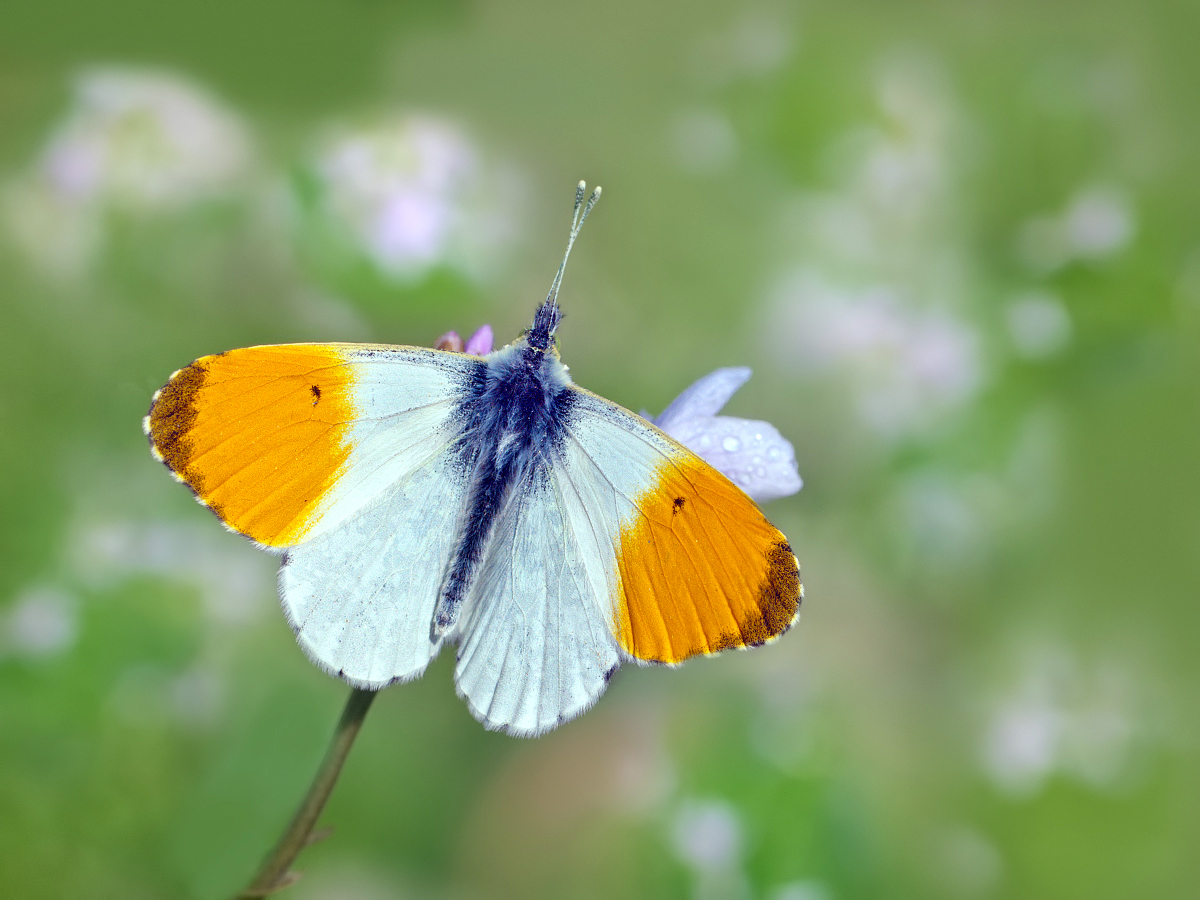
[545, 321]
[540, 336]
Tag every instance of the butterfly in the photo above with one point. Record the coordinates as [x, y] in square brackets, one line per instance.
[425, 497]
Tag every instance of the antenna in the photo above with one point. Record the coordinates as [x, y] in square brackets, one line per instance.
[578, 217]
[545, 321]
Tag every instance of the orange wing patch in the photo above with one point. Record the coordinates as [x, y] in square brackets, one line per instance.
[701, 569]
[258, 434]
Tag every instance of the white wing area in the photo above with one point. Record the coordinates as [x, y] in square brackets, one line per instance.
[403, 398]
[537, 642]
[361, 596]
[611, 455]
[536, 646]
[359, 590]
[620, 450]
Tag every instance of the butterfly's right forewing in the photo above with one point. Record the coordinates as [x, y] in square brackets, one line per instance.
[342, 455]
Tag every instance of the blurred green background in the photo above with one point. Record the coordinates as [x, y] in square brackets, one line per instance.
[958, 242]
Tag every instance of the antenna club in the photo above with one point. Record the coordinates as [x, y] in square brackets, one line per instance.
[541, 334]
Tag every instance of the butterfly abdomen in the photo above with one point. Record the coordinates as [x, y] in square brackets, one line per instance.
[513, 416]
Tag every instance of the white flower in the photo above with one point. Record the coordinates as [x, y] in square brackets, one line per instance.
[42, 621]
[1038, 324]
[134, 141]
[414, 193]
[703, 141]
[878, 301]
[234, 586]
[1098, 222]
[708, 835]
[1087, 722]
[753, 45]
[807, 889]
[145, 141]
[752, 454]
[905, 367]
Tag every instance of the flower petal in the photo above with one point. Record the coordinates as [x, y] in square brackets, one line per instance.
[752, 454]
[480, 343]
[704, 398]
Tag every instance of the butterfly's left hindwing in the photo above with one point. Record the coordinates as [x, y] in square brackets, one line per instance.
[536, 646]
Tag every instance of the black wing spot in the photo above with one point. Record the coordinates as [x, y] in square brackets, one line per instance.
[677, 506]
[316, 392]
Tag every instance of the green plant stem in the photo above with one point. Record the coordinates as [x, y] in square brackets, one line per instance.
[275, 873]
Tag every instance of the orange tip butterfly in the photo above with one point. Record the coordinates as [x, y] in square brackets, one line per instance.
[425, 497]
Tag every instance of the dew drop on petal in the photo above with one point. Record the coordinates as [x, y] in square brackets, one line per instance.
[705, 440]
[773, 453]
[731, 444]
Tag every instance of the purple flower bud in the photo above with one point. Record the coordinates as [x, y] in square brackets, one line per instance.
[449, 341]
[480, 343]
[752, 454]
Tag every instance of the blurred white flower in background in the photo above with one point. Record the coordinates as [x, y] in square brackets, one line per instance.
[414, 193]
[878, 301]
[1098, 222]
[968, 863]
[193, 699]
[755, 44]
[905, 366]
[41, 621]
[945, 523]
[196, 696]
[1038, 324]
[801, 890]
[146, 141]
[1062, 717]
[351, 879]
[708, 834]
[703, 141]
[708, 837]
[235, 587]
[947, 520]
[893, 178]
[133, 141]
